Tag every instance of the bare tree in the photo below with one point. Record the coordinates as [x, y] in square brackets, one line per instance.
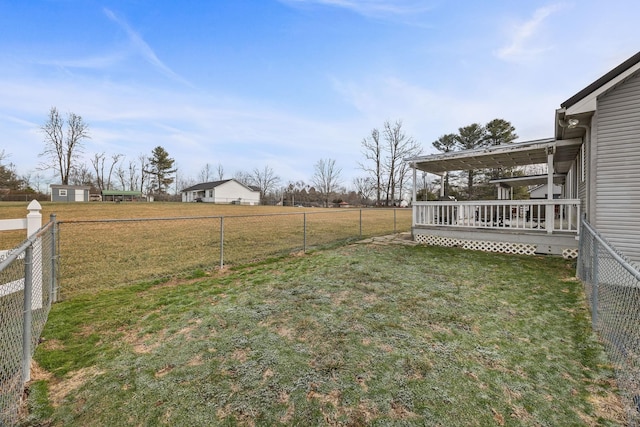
[326, 178]
[121, 174]
[98, 161]
[81, 175]
[145, 181]
[398, 147]
[384, 160]
[206, 173]
[243, 177]
[266, 180]
[132, 176]
[183, 182]
[220, 171]
[98, 165]
[364, 187]
[372, 151]
[63, 146]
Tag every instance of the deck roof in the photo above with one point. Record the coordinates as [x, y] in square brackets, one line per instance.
[502, 156]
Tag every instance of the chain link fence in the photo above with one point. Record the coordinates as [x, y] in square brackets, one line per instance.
[27, 289]
[612, 287]
[103, 254]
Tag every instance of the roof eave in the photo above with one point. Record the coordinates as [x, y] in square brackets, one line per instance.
[585, 99]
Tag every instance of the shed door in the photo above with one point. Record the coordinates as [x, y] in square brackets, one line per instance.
[618, 168]
[79, 196]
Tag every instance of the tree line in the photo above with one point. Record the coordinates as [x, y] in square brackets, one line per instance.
[474, 184]
[386, 180]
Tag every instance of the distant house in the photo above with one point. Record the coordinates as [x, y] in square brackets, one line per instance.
[70, 193]
[225, 191]
[540, 191]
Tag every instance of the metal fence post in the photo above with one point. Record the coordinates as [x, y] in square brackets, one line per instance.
[304, 232]
[27, 319]
[361, 223]
[53, 286]
[594, 286]
[394, 221]
[221, 242]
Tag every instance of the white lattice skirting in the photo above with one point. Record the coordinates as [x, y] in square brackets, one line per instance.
[487, 246]
[571, 253]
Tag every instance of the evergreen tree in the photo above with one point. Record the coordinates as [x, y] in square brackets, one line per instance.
[469, 138]
[161, 170]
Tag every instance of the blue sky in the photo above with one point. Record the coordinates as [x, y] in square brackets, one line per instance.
[284, 83]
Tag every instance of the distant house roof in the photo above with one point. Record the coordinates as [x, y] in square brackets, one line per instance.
[120, 193]
[214, 184]
[77, 187]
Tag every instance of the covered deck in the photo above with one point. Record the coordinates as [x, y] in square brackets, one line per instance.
[542, 226]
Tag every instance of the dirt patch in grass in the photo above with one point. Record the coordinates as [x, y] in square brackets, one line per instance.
[608, 406]
[38, 373]
[52, 344]
[59, 389]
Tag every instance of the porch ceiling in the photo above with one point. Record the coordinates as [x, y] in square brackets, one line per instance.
[529, 180]
[502, 156]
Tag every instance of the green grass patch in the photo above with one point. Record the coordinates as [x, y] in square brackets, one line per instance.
[357, 335]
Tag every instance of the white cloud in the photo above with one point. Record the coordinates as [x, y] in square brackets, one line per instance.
[524, 43]
[144, 49]
[427, 113]
[373, 7]
[91, 62]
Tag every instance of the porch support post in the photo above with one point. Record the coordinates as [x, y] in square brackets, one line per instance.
[549, 214]
[415, 181]
[442, 181]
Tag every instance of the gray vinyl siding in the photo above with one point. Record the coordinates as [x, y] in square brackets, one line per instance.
[618, 168]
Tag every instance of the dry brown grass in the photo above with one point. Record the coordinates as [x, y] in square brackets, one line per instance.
[104, 245]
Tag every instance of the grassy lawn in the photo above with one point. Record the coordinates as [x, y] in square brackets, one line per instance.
[356, 335]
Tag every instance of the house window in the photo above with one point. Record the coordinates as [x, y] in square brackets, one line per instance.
[62, 193]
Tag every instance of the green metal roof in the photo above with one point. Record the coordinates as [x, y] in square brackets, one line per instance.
[120, 193]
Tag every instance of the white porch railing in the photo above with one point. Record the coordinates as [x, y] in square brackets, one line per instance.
[546, 215]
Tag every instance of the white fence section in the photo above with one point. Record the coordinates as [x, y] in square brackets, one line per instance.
[547, 215]
[32, 223]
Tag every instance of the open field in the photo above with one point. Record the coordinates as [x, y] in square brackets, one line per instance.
[355, 335]
[101, 248]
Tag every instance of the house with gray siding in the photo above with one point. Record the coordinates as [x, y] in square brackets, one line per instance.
[70, 193]
[594, 157]
[606, 174]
